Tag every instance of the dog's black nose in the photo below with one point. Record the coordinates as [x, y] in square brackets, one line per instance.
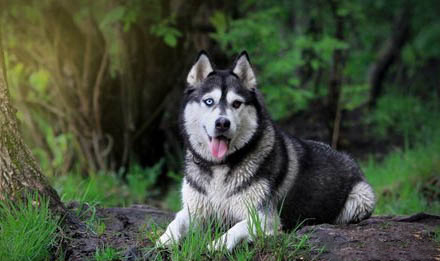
[222, 124]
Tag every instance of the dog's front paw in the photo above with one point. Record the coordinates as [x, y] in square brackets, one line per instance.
[165, 240]
[218, 244]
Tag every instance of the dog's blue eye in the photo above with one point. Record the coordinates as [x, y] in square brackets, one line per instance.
[209, 102]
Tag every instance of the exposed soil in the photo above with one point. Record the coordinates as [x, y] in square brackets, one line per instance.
[125, 230]
[378, 238]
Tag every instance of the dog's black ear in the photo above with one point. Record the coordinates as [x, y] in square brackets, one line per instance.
[243, 69]
[200, 70]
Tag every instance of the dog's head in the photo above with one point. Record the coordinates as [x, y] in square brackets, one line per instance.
[220, 112]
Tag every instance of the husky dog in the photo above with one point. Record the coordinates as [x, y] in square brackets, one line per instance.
[236, 158]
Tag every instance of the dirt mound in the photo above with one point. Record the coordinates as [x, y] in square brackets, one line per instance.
[378, 238]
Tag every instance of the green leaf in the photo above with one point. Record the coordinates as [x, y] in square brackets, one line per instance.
[170, 40]
[39, 80]
[166, 30]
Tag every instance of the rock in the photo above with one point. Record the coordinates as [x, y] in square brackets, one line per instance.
[377, 238]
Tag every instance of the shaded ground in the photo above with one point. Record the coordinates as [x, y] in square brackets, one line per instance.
[356, 135]
[124, 229]
[378, 238]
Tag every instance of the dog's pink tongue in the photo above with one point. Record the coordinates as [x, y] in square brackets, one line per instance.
[219, 147]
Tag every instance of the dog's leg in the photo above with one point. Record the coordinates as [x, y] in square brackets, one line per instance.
[176, 229]
[240, 231]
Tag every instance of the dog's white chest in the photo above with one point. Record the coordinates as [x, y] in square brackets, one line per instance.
[218, 198]
[226, 200]
[222, 192]
[218, 188]
[219, 195]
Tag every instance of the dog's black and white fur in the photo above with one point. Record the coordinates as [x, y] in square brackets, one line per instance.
[236, 158]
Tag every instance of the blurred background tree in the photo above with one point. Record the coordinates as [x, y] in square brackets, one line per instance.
[97, 83]
[19, 172]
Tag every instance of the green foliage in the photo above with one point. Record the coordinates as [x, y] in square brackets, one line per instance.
[260, 35]
[426, 24]
[120, 14]
[166, 30]
[405, 115]
[35, 94]
[141, 181]
[354, 96]
[131, 13]
[278, 53]
[400, 179]
[39, 80]
[53, 92]
[99, 188]
[284, 42]
[108, 189]
[27, 229]
[52, 160]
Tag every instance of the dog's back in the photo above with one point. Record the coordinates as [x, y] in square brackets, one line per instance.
[328, 188]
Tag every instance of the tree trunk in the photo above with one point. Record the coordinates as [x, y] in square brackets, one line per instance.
[335, 85]
[19, 172]
[388, 54]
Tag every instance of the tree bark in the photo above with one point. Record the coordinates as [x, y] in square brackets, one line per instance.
[19, 172]
[388, 54]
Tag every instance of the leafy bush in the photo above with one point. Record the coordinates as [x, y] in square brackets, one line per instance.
[279, 53]
[273, 55]
[140, 182]
[405, 115]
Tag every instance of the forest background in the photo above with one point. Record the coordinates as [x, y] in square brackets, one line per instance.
[97, 87]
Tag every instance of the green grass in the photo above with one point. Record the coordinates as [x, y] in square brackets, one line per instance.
[27, 230]
[96, 189]
[107, 254]
[398, 180]
[109, 189]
